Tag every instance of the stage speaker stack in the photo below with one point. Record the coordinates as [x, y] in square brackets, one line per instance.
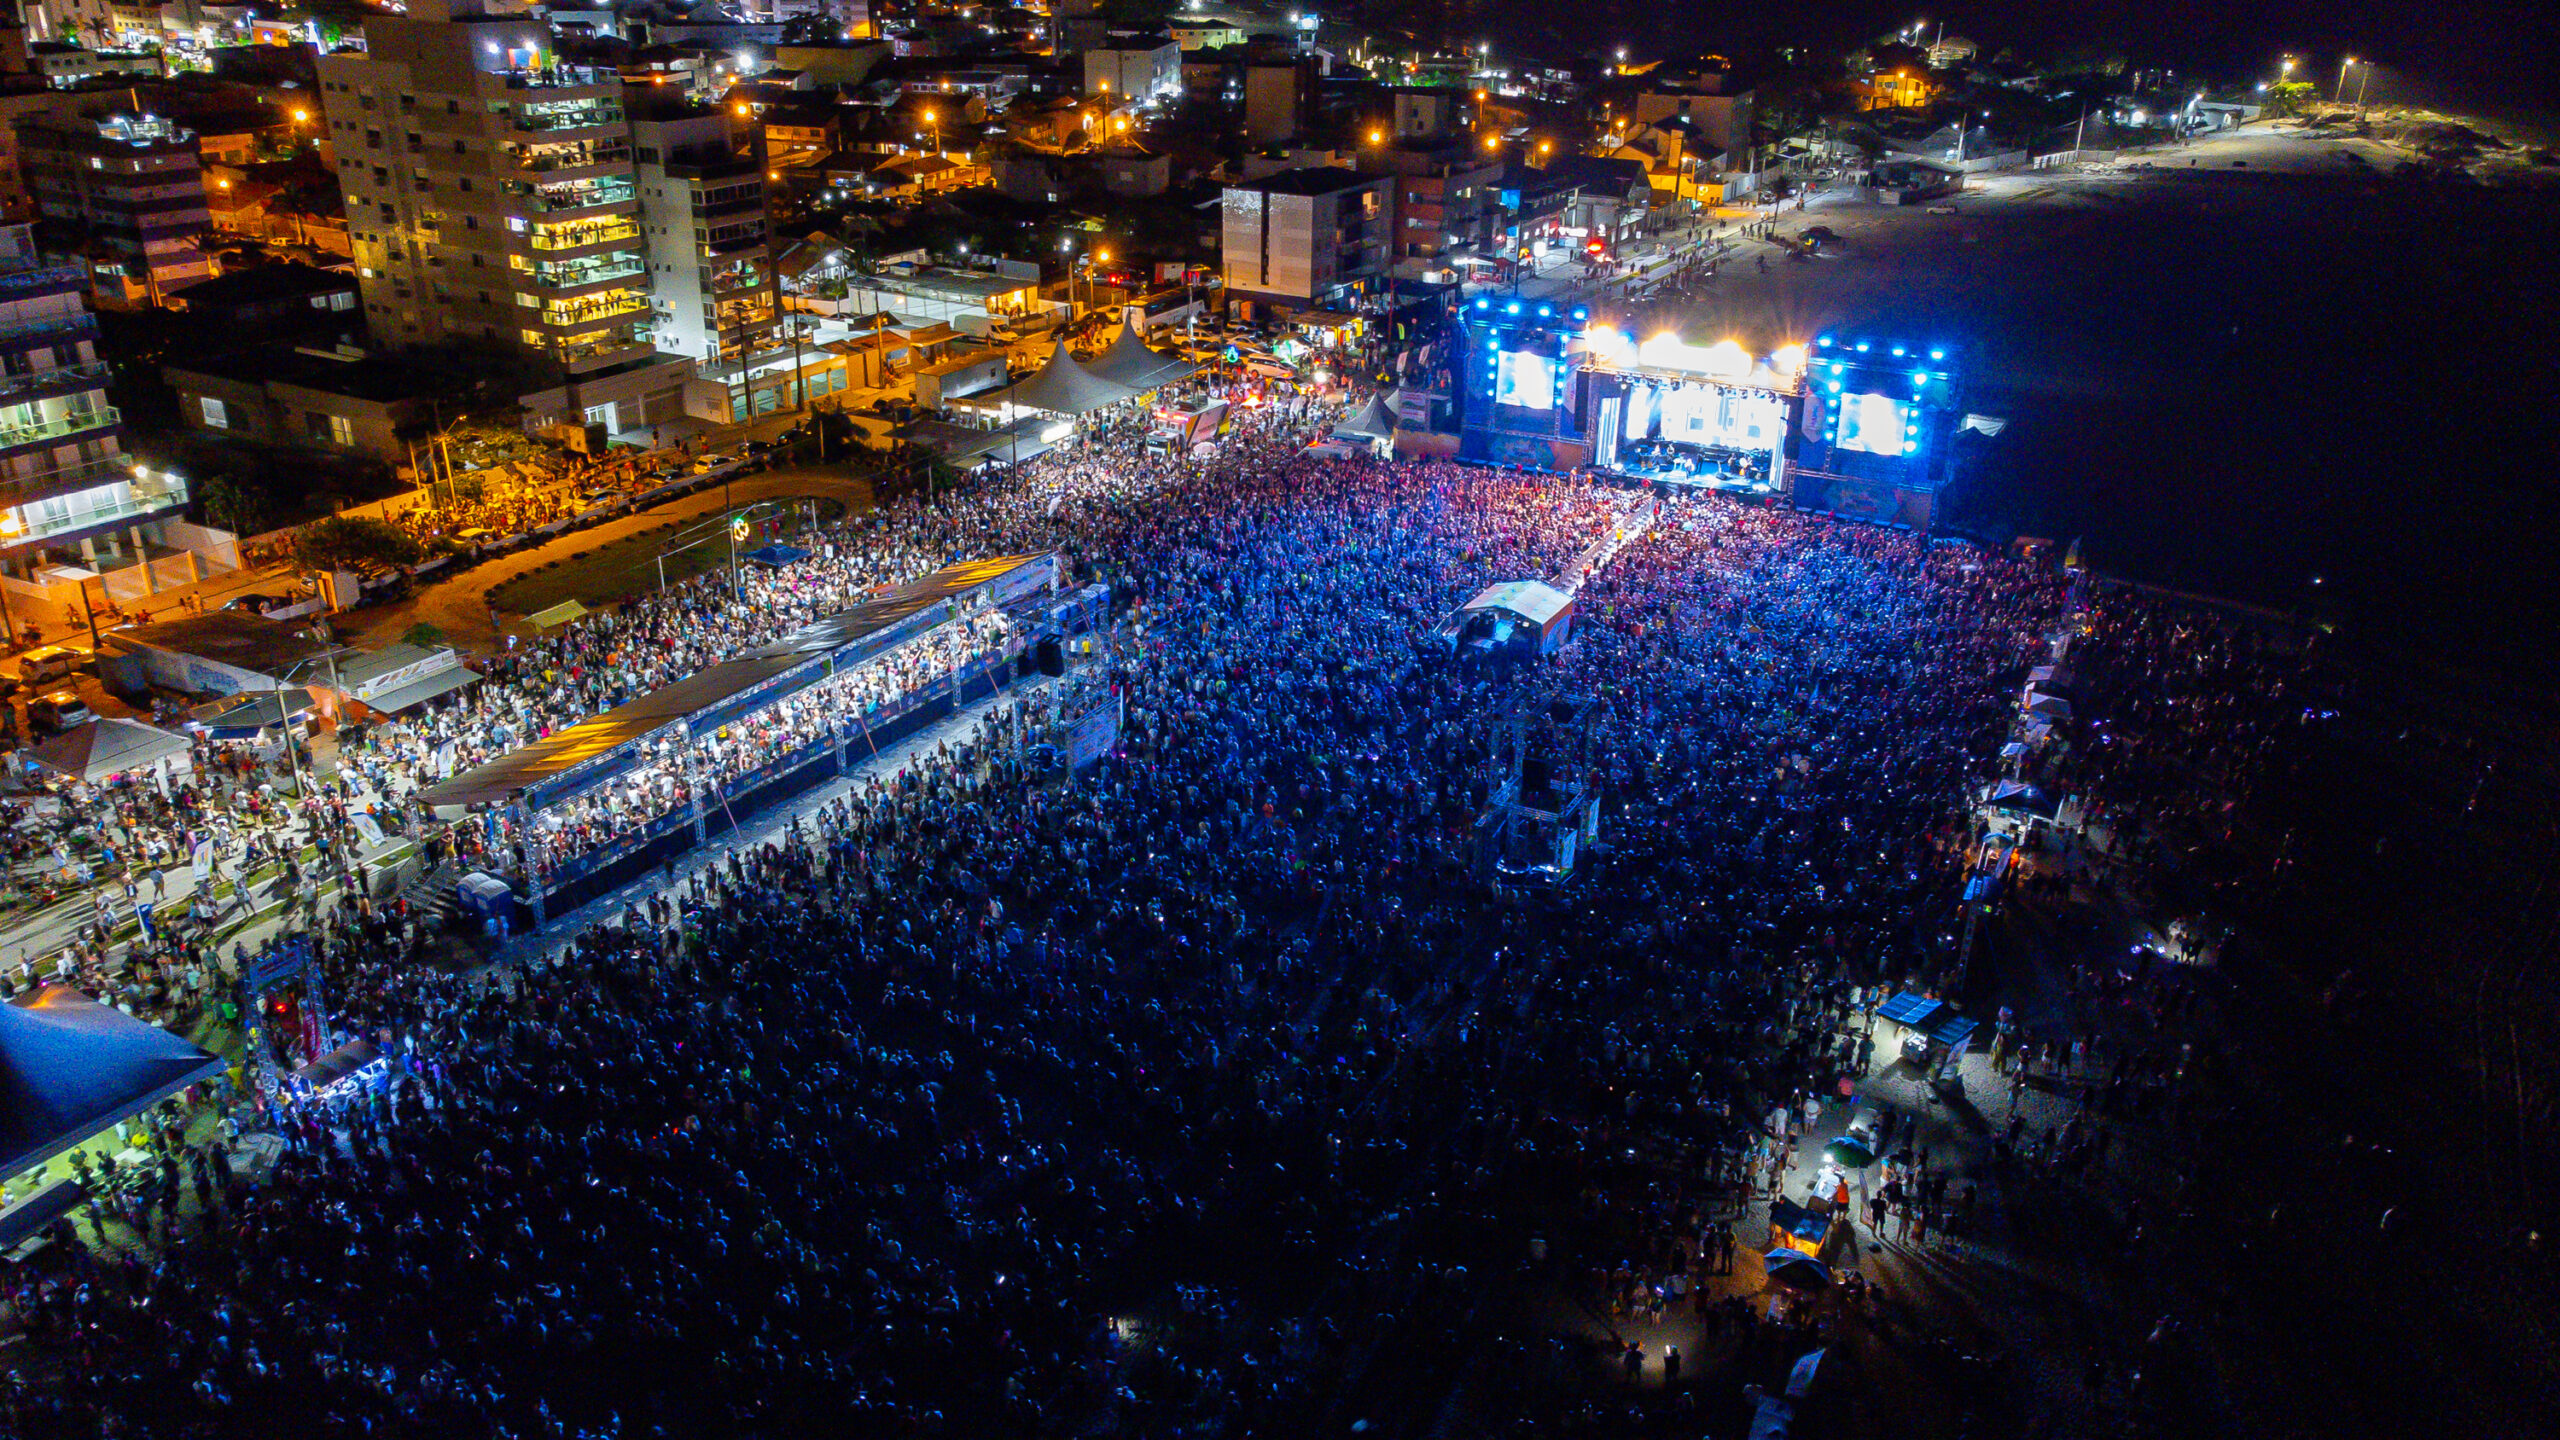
[1052, 655]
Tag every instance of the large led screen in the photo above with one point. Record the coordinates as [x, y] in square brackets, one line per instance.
[1872, 423]
[1525, 380]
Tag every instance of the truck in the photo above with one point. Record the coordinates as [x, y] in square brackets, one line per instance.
[1179, 427]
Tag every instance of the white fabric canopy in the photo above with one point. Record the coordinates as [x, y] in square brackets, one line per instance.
[108, 747]
[1063, 387]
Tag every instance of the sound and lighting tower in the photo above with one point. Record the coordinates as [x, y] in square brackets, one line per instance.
[1545, 802]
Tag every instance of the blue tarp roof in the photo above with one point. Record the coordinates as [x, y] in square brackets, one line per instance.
[70, 1067]
[776, 554]
[1909, 1009]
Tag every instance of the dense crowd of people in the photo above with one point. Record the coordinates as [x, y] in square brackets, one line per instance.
[1207, 1093]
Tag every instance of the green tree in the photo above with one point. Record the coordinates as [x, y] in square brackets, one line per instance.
[342, 541]
[229, 506]
[2287, 97]
[426, 635]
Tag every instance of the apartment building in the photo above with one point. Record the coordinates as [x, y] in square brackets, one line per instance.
[714, 298]
[135, 185]
[68, 492]
[1306, 239]
[492, 194]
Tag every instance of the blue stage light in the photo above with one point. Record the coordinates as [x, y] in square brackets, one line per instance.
[1937, 354]
[1897, 350]
[1862, 347]
[1482, 304]
[1515, 307]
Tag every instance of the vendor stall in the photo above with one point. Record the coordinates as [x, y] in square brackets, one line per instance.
[1793, 1227]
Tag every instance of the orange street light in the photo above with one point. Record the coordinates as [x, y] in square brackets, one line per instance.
[1375, 136]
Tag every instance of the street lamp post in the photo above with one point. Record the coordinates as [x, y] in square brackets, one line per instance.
[2339, 94]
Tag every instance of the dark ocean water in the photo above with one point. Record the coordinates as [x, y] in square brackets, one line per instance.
[2236, 383]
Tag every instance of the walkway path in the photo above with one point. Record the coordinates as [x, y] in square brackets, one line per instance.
[459, 606]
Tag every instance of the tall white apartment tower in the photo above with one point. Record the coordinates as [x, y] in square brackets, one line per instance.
[490, 196]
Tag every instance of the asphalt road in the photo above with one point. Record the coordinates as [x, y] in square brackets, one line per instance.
[460, 607]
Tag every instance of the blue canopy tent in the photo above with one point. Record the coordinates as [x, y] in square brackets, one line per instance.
[70, 1067]
[2017, 797]
[776, 555]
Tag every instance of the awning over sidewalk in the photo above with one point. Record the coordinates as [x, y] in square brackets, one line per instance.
[241, 717]
[422, 689]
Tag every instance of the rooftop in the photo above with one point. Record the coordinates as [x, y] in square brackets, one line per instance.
[251, 642]
[374, 378]
[265, 282]
[1311, 180]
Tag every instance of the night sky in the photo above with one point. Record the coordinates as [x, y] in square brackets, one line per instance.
[2498, 53]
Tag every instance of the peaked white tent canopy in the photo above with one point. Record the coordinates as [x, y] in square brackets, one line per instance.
[1132, 362]
[1063, 387]
[108, 747]
[1374, 422]
[70, 1067]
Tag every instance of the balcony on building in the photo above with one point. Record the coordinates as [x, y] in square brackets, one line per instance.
[552, 120]
[50, 422]
[32, 282]
[590, 310]
[82, 499]
[19, 387]
[560, 239]
[582, 159]
[569, 197]
[560, 278]
[54, 331]
[604, 348]
[737, 278]
[564, 81]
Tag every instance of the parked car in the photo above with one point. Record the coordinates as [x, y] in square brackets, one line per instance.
[49, 663]
[53, 714]
[253, 602]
